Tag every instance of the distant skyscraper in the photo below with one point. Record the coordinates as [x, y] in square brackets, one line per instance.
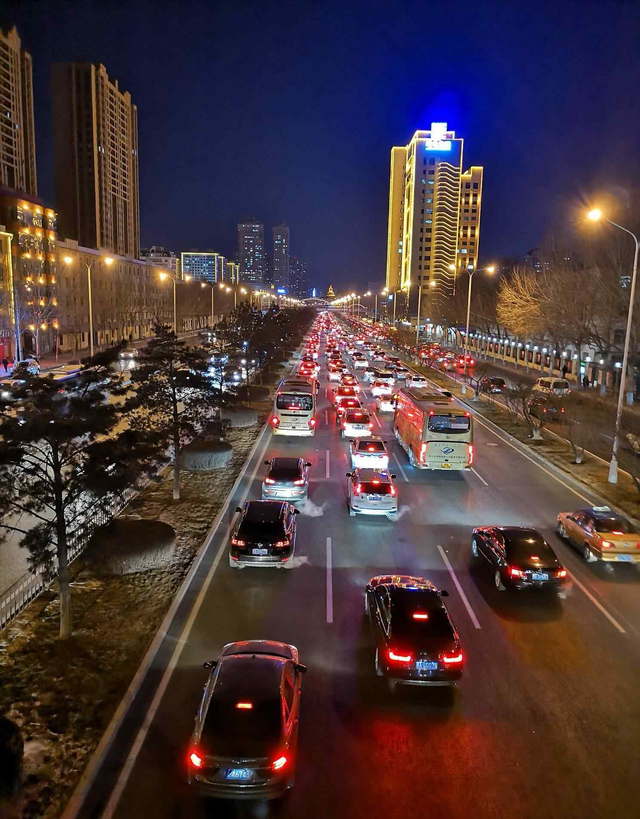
[205, 265]
[267, 269]
[281, 256]
[233, 273]
[434, 212]
[159, 257]
[95, 136]
[298, 277]
[17, 134]
[251, 251]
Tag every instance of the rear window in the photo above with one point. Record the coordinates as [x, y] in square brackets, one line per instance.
[267, 531]
[406, 603]
[370, 446]
[610, 525]
[371, 488]
[520, 547]
[451, 424]
[288, 401]
[560, 385]
[357, 418]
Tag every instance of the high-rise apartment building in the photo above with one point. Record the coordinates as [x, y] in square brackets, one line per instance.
[298, 277]
[281, 255]
[251, 251]
[434, 212]
[157, 256]
[233, 273]
[205, 265]
[17, 133]
[95, 132]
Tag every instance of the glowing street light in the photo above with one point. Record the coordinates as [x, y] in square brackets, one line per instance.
[108, 260]
[471, 271]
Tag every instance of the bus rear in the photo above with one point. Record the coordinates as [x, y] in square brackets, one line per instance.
[447, 440]
[294, 411]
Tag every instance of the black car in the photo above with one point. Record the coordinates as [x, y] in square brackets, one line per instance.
[542, 406]
[244, 745]
[416, 640]
[264, 535]
[286, 479]
[518, 557]
[493, 384]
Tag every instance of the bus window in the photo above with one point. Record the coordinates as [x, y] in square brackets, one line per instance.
[449, 424]
[287, 401]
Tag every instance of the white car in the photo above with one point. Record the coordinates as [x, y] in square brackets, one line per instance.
[371, 492]
[360, 363]
[385, 403]
[370, 374]
[369, 453]
[386, 376]
[401, 373]
[380, 388]
[415, 380]
[336, 375]
[356, 423]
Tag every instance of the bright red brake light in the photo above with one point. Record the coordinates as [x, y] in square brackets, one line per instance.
[393, 491]
[269, 480]
[275, 422]
[617, 533]
[561, 573]
[312, 423]
[299, 482]
[371, 449]
[358, 488]
[280, 544]
[515, 572]
[399, 658]
[606, 544]
[418, 615]
[280, 762]
[375, 480]
[244, 706]
[237, 542]
[452, 659]
[195, 760]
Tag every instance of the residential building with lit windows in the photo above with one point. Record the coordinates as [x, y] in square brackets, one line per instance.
[159, 257]
[251, 251]
[298, 278]
[281, 255]
[205, 265]
[233, 273]
[17, 132]
[95, 138]
[434, 213]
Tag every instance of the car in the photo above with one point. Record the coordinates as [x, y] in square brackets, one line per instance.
[264, 535]
[370, 373]
[493, 384]
[518, 557]
[343, 392]
[349, 380]
[129, 352]
[356, 423]
[385, 403]
[416, 381]
[386, 376]
[372, 492]
[552, 386]
[359, 363]
[369, 452]
[401, 373]
[545, 407]
[344, 405]
[286, 479]
[417, 642]
[245, 741]
[11, 388]
[336, 373]
[381, 388]
[601, 534]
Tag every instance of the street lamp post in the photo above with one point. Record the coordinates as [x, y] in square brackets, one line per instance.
[418, 317]
[212, 287]
[174, 279]
[595, 215]
[466, 335]
[89, 265]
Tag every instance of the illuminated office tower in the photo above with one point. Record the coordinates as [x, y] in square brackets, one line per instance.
[251, 251]
[434, 212]
[281, 255]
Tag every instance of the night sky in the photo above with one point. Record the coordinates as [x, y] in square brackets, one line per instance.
[288, 110]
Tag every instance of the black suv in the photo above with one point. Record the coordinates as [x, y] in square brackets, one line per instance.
[264, 535]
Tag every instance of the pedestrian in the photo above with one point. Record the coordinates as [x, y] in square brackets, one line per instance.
[585, 382]
[5, 364]
[565, 370]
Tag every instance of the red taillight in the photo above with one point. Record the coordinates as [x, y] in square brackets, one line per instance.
[470, 454]
[269, 480]
[244, 706]
[515, 572]
[606, 544]
[371, 449]
[375, 480]
[399, 658]
[393, 491]
[312, 423]
[280, 762]
[617, 533]
[358, 488]
[280, 544]
[195, 760]
[418, 615]
[237, 542]
[452, 659]
[299, 482]
[275, 422]
[561, 573]
[370, 425]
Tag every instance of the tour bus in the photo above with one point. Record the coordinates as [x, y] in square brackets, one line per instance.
[294, 408]
[434, 433]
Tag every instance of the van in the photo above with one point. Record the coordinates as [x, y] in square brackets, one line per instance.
[552, 386]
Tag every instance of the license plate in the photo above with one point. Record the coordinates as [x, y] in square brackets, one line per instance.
[426, 665]
[259, 551]
[445, 466]
[624, 559]
[373, 497]
[238, 773]
[538, 576]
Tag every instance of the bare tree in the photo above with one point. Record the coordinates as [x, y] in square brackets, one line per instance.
[584, 418]
[518, 397]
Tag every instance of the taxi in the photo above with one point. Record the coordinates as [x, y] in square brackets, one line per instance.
[601, 534]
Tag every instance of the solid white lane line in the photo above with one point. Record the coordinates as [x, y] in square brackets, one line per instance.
[465, 600]
[329, 583]
[402, 472]
[375, 415]
[181, 642]
[479, 476]
[327, 467]
[597, 603]
[326, 418]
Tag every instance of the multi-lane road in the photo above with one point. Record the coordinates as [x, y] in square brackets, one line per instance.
[545, 722]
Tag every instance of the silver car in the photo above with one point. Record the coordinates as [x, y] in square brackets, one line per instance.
[372, 492]
[286, 479]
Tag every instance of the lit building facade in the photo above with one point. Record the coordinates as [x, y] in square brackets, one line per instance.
[95, 133]
[205, 266]
[434, 212]
[233, 273]
[17, 133]
[298, 277]
[281, 256]
[159, 257]
[251, 251]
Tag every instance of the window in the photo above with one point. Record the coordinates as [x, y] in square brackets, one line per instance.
[475, 186]
[432, 162]
[289, 686]
[467, 185]
[466, 210]
[431, 172]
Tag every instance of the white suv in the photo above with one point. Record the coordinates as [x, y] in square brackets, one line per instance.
[552, 386]
[369, 452]
[371, 492]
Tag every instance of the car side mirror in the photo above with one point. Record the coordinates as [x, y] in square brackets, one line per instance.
[349, 474]
[210, 664]
[238, 508]
[296, 511]
[301, 669]
[443, 593]
[267, 463]
[308, 463]
[384, 442]
[393, 476]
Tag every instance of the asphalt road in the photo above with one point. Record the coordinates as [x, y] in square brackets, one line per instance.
[545, 722]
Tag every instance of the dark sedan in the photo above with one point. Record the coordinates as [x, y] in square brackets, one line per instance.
[493, 384]
[245, 741]
[518, 557]
[416, 640]
[264, 535]
[286, 479]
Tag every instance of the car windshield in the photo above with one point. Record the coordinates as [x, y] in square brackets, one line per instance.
[290, 401]
[370, 446]
[285, 469]
[372, 488]
[450, 424]
[614, 525]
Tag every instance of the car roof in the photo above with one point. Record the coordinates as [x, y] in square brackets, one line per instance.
[261, 647]
[267, 511]
[248, 676]
[367, 474]
[405, 581]
[521, 534]
[604, 513]
[285, 463]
